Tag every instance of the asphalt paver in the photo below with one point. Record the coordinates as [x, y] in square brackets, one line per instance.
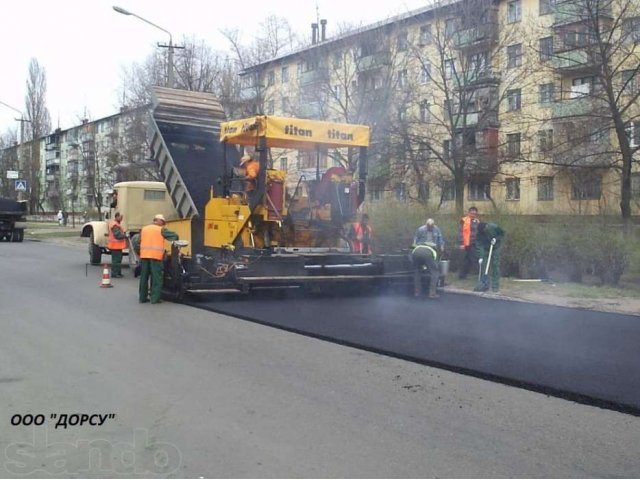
[585, 356]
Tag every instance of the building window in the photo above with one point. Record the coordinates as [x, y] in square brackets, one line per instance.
[425, 35]
[635, 185]
[545, 138]
[403, 78]
[514, 11]
[630, 82]
[446, 149]
[337, 60]
[337, 91]
[271, 78]
[513, 188]
[545, 6]
[400, 191]
[402, 114]
[514, 55]
[631, 30]
[300, 68]
[284, 163]
[449, 69]
[375, 194]
[479, 190]
[449, 27]
[546, 93]
[599, 136]
[513, 144]
[286, 105]
[425, 73]
[545, 188]
[285, 74]
[448, 190]
[514, 100]
[586, 186]
[632, 130]
[402, 42]
[546, 48]
[425, 113]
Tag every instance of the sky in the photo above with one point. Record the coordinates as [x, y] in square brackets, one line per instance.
[84, 45]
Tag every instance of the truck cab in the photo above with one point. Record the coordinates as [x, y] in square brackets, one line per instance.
[138, 202]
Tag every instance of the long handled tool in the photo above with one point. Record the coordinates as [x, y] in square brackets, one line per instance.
[486, 272]
[479, 272]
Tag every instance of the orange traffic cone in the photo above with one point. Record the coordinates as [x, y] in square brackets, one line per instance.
[106, 277]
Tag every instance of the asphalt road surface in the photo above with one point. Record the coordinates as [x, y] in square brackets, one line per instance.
[199, 394]
[581, 355]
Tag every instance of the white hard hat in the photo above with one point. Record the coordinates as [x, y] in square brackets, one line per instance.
[160, 217]
[245, 158]
[430, 221]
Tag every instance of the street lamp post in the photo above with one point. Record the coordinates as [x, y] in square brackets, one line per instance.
[171, 46]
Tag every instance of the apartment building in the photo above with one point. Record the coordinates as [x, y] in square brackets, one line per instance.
[507, 103]
[80, 165]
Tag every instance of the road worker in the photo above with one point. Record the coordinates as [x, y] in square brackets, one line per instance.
[117, 242]
[152, 239]
[467, 241]
[360, 236]
[489, 240]
[428, 244]
[250, 168]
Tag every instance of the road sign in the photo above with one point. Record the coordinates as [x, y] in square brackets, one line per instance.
[13, 174]
[21, 185]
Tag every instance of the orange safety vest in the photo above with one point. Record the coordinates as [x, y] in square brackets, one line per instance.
[466, 230]
[151, 242]
[252, 168]
[357, 244]
[114, 243]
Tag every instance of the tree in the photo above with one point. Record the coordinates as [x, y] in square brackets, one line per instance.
[38, 125]
[8, 161]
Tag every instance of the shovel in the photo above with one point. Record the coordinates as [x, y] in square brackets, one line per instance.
[486, 272]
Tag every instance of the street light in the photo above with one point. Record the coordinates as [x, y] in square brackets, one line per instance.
[171, 46]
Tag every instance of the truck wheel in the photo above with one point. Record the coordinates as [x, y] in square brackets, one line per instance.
[17, 235]
[95, 255]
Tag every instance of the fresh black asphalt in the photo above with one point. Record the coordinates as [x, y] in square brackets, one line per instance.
[585, 356]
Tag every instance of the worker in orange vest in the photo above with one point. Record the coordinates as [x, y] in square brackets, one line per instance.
[152, 239]
[467, 240]
[360, 236]
[250, 168]
[116, 243]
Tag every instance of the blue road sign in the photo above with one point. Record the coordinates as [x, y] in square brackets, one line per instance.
[21, 185]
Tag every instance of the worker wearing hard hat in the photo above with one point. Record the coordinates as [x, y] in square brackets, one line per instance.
[152, 239]
[250, 168]
[428, 243]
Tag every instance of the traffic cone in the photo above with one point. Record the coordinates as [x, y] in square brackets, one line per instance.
[106, 277]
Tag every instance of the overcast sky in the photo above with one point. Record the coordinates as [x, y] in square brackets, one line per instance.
[83, 45]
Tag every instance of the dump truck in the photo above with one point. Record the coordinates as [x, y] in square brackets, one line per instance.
[272, 236]
[138, 202]
[13, 219]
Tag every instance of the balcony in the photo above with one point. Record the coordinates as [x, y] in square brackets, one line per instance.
[476, 77]
[575, 61]
[479, 36]
[566, 13]
[311, 110]
[479, 119]
[319, 75]
[374, 61]
[574, 107]
[249, 93]
[50, 162]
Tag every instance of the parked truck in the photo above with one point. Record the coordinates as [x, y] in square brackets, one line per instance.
[13, 219]
[138, 202]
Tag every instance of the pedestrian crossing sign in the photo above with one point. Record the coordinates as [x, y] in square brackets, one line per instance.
[21, 185]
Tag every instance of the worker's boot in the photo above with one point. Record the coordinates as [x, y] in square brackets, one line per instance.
[433, 287]
[417, 283]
